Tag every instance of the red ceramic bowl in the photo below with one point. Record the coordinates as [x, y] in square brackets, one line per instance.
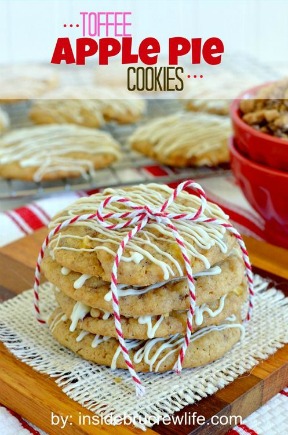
[267, 191]
[259, 147]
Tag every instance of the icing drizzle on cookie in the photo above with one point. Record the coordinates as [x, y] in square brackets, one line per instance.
[155, 243]
[98, 339]
[182, 133]
[80, 310]
[51, 148]
[81, 281]
[124, 290]
[199, 311]
[57, 320]
[65, 271]
[144, 350]
[94, 103]
[151, 329]
[81, 336]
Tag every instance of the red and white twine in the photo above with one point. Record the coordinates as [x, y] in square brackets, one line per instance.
[137, 219]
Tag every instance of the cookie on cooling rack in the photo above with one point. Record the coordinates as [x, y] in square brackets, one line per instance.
[184, 139]
[24, 82]
[214, 94]
[87, 106]
[55, 152]
[4, 120]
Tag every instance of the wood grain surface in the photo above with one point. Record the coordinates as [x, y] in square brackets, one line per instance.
[35, 396]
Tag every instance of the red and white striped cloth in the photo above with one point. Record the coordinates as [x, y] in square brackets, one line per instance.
[28, 218]
[271, 419]
[12, 423]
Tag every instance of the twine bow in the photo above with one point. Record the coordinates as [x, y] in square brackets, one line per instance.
[137, 218]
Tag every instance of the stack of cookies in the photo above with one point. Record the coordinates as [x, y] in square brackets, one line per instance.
[152, 285]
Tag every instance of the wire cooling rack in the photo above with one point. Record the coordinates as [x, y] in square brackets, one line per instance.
[133, 168]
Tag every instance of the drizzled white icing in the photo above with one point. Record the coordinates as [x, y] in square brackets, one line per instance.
[76, 104]
[106, 315]
[79, 312]
[65, 271]
[98, 339]
[149, 242]
[49, 148]
[118, 102]
[199, 311]
[81, 281]
[81, 336]
[216, 270]
[57, 319]
[151, 329]
[145, 352]
[231, 318]
[130, 344]
[198, 317]
[135, 257]
[69, 105]
[191, 134]
[124, 290]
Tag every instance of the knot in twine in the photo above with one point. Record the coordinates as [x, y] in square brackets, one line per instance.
[137, 218]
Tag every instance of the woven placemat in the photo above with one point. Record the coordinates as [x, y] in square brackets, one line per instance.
[98, 388]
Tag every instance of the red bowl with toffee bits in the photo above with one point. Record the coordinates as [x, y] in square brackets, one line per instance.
[266, 190]
[260, 123]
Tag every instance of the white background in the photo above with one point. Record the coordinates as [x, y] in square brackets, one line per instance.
[258, 28]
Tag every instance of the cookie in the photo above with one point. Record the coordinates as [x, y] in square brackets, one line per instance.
[68, 106]
[152, 255]
[24, 82]
[121, 106]
[4, 120]
[55, 152]
[87, 106]
[162, 298]
[155, 355]
[145, 327]
[112, 76]
[214, 94]
[212, 105]
[184, 139]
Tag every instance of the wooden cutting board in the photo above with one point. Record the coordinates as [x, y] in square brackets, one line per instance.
[35, 396]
